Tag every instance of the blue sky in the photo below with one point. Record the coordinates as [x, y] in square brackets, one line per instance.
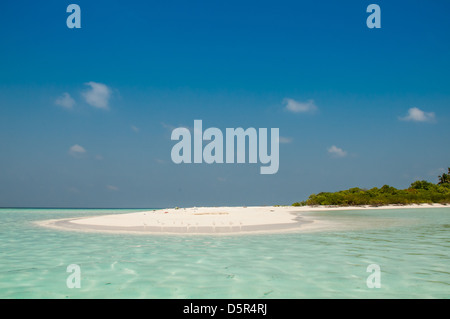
[86, 114]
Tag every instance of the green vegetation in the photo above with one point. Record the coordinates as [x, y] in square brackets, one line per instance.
[444, 178]
[418, 193]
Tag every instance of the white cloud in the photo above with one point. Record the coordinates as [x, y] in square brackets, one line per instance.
[417, 115]
[134, 128]
[112, 188]
[77, 150]
[299, 107]
[336, 151]
[284, 140]
[66, 101]
[97, 95]
[170, 127]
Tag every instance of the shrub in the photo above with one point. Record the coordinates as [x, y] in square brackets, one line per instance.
[419, 192]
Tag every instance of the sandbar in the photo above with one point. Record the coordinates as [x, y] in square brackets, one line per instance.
[214, 220]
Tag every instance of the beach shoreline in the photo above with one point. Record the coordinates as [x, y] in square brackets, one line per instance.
[214, 220]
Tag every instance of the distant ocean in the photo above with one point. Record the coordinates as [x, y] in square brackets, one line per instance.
[410, 246]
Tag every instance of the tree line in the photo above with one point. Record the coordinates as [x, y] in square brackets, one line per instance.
[419, 192]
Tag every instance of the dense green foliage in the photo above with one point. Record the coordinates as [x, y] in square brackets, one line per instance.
[444, 178]
[419, 192]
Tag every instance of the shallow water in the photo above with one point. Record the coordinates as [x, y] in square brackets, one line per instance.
[411, 247]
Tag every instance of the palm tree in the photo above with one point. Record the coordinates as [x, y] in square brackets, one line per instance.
[444, 178]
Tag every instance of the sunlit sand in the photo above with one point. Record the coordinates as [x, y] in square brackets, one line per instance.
[213, 220]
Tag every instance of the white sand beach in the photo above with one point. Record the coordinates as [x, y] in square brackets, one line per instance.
[213, 220]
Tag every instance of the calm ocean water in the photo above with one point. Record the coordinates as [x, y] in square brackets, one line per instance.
[411, 246]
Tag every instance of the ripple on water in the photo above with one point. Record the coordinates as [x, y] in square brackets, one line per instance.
[411, 247]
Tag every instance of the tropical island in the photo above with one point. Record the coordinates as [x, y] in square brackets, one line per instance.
[263, 219]
[419, 192]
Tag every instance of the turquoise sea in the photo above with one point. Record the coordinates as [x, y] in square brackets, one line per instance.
[411, 247]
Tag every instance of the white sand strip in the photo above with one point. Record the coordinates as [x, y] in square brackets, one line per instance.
[212, 220]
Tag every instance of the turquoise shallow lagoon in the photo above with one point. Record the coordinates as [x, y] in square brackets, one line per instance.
[411, 246]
